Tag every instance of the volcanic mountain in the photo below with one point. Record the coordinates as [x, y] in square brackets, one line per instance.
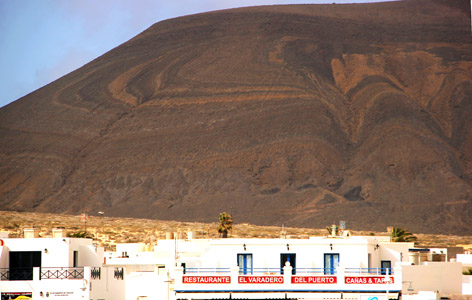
[301, 115]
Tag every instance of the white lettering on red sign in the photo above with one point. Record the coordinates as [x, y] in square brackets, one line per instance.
[315, 279]
[367, 280]
[206, 279]
[261, 279]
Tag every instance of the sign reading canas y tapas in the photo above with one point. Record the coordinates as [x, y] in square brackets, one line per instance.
[367, 280]
[261, 279]
[206, 279]
[315, 279]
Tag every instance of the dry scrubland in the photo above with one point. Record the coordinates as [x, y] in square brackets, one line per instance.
[108, 231]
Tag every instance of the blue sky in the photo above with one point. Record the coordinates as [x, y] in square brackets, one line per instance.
[42, 40]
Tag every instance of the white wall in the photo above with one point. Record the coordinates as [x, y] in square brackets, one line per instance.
[353, 252]
[465, 259]
[445, 277]
[57, 289]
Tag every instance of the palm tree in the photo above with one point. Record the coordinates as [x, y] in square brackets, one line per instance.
[402, 235]
[226, 223]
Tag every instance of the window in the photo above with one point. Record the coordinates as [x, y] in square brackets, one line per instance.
[331, 262]
[290, 258]
[384, 266]
[245, 263]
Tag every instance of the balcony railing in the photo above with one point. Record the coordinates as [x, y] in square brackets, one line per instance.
[16, 274]
[62, 273]
[370, 271]
[206, 270]
[299, 271]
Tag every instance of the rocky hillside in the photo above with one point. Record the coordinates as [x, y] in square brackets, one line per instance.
[300, 115]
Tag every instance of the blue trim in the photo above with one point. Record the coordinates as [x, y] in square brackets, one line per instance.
[287, 291]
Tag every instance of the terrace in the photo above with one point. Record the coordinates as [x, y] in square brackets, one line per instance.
[286, 282]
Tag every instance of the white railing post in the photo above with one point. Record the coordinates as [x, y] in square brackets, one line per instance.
[397, 276]
[288, 273]
[179, 273]
[234, 273]
[36, 273]
[340, 273]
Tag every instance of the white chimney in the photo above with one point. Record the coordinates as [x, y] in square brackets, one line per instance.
[31, 233]
[59, 233]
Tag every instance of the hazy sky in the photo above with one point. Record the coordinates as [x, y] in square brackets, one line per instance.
[42, 40]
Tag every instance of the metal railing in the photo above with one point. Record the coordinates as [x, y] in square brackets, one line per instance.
[370, 271]
[61, 273]
[315, 271]
[95, 273]
[299, 271]
[268, 271]
[206, 270]
[16, 274]
[119, 273]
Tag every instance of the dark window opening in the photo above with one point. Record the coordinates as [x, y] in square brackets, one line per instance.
[22, 264]
[76, 259]
[290, 258]
[385, 265]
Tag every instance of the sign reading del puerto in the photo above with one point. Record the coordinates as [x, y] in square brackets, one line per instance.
[206, 279]
[261, 279]
[315, 279]
[367, 280]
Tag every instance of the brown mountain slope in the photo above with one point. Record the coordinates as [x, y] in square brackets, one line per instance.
[298, 115]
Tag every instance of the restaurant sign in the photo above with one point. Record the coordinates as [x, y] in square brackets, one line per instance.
[314, 279]
[368, 280]
[261, 279]
[206, 279]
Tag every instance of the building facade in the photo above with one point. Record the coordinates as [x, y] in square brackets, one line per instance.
[332, 267]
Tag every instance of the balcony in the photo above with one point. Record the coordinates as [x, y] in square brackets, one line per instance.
[213, 283]
[61, 273]
[11, 274]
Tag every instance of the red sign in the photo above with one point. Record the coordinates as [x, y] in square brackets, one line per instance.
[261, 279]
[367, 280]
[315, 279]
[206, 279]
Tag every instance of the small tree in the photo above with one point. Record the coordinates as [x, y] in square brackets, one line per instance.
[226, 223]
[402, 235]
[80, 234]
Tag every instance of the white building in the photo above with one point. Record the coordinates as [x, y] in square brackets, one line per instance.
[52, 268]
[313, 268]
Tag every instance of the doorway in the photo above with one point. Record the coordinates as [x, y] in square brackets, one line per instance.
[331, 262]
[22, 264]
